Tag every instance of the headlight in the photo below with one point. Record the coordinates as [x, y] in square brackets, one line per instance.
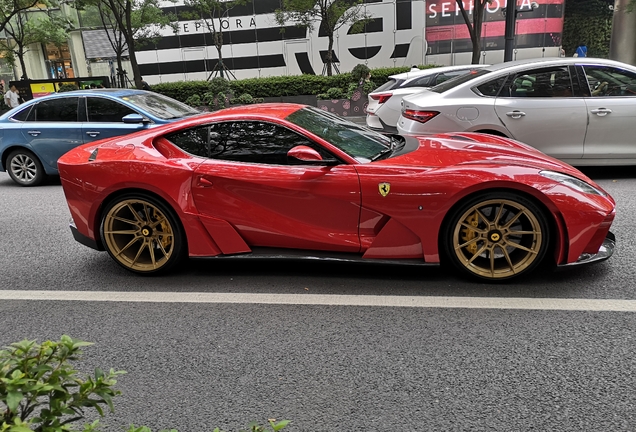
[573, 182]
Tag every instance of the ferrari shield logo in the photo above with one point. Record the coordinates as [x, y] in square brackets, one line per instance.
[384, 188]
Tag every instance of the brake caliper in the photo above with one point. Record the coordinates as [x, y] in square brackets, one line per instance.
[469, 234]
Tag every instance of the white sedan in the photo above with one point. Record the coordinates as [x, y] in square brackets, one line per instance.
[384, 106]
[579, 110]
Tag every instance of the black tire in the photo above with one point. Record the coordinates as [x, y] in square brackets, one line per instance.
[496, 236]
[25, 168]
[142, 234]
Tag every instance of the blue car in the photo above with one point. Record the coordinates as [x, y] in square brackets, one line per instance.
[34, 135]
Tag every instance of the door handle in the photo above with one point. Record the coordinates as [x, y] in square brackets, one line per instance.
[203, 182]
[34, 132]
[515, 114]
[601, 112]
[92, 134]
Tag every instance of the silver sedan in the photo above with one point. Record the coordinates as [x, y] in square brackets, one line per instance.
[579, 110]
[384, 107]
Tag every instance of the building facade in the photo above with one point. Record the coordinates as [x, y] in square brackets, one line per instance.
[402, 33]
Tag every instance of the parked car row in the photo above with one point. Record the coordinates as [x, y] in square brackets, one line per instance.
[578, 110]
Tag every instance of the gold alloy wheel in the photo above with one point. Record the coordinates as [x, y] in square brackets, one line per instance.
[498, 238]
[138, 235]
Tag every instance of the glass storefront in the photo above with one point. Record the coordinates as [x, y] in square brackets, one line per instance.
[59, 61]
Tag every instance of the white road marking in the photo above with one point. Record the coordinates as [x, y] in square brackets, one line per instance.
[606, 305]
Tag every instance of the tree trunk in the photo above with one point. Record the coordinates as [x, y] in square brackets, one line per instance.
[478, 14]
[133, 63]
[329, 56]
[218, 43]
[120, 76]
[20, 54]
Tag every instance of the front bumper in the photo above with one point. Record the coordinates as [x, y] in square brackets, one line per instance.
[605, 251]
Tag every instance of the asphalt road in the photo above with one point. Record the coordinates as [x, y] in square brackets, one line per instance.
[331, 368]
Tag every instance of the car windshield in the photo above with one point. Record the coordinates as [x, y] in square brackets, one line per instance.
[360, 143]
[454, 82]
[160, 106]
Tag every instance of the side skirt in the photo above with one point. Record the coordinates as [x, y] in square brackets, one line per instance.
[311, 255]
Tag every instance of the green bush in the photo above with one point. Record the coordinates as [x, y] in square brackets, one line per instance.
[41, 391]
[194, 101]
[182, 90]
[277, 86]
[360, 72]
[67, 87]
[244, 99]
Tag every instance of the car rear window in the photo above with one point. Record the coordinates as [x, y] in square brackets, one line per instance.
[452, 83]
[160, 106]
[389, 85]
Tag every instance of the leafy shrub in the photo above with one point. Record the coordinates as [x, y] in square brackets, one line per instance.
[42, 391]
[272, 86]
[360, 73]
[219, 85]
[194, 101]
[332, 93]
[66, 87]
[182, 90]
[244, 99]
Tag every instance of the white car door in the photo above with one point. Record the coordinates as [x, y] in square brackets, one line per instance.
[538, 108]
[612, 112]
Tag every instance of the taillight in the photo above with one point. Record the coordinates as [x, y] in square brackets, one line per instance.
[419, 116]
[381, 97]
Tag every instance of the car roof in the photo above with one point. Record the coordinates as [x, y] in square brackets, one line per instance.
[547, 61]
[115, 92]
[433, 70]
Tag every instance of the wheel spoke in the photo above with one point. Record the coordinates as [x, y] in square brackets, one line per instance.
[518, 246]
[470, 227]
[523, 232]
[481, 215]
[152, 255]
[163, 250]
[146, 213]
[124, 220]
[479, 252]
[468, 243]
[143, 246]
[514, 219]
[130, 243]
[505, 252]
[499, 213]
[130, 232]
[492, 260]
[134, 212]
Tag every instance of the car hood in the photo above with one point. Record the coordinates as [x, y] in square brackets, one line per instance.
[465, 149]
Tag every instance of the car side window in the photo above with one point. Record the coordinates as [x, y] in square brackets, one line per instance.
[546, 82]
[23, 115]
[493, 87]
[244, 141]
[445, 76]
[103, 110]
[610, 81]
[424, 81]
[57, 110]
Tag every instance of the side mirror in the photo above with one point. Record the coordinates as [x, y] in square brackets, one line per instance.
[309, 156]
[134, 118]
[304, 154]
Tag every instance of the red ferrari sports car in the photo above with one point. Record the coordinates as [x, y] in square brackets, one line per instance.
[286, 180]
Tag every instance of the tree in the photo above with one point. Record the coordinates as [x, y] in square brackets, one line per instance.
[474, 25]
[332, 15]
[129, 24]
[10, 8]
[212, 13]
[33, 27]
